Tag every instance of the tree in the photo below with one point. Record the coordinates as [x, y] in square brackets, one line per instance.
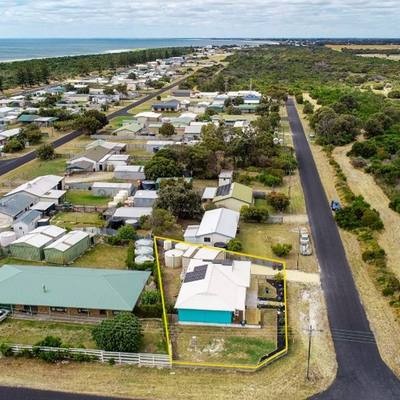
[127, 232]
[132, 75]
[161, 167]
[45, 152]
[160, 221]
[122, 333]
[83, 90]
[109, 91]
[253, 213]
[88, 125]
[99, 116]
[167, 129]
[278, 200]
[180, 198]
[13, 145]
[31, 133]
[234, 245]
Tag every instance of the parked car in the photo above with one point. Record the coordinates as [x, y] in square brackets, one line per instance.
[312, 135]
[304, 238]
[3, 314]
[335, 205]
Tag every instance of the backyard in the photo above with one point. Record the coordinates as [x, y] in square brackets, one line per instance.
[77, 220]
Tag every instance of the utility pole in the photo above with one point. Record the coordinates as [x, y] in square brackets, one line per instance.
[310, 330]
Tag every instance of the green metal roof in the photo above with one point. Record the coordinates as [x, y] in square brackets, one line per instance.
[133, 127]
[239, 192]
[71, 287]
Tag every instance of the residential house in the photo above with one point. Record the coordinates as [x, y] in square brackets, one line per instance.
[8, 134]
[148, 116]
[92, 159]
[26, 222]
[81, 292]
[4, 111]
[131, 130]
[27, 118]
[216, 226]
[13, 205]
[233, 196]
[166, 106]
[213, 292]
[44, 188]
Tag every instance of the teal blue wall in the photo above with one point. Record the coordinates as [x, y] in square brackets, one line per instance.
[205, 316]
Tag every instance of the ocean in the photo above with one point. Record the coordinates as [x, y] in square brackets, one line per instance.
[25, 49]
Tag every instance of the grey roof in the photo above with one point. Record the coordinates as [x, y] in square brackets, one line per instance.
[39, 186]
[14, 204]
[28, 216]
[71, 287]
[83, 165]
[169, 103]
[221, 221]
[94, 153]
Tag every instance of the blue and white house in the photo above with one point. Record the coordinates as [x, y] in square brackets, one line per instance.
[213, 292]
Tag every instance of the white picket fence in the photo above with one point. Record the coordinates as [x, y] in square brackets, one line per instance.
[142, 359]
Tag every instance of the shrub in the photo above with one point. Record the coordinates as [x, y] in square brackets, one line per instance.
[281, 250]
[111, 361]
[5, 350]
[234, 245]
[150, 297]
[114, 240]
[50, 341]
[387, 291]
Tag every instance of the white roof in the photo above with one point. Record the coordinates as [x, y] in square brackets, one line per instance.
[223, 287]
[189, 115]
[112, 185]
[119, 157]
[159, 142]
[193, 129]
[35, 240]
[209, 193]
[49, 230]
[42, 205]
[129, 168]
[10, 132]
[145, 194]
[148, 114]
[54, 194]
[68, 240]
[132, 212]
[38, 186]
[221, 221]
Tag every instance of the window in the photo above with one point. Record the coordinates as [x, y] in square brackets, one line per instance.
[58, 309]
[116, 312]
[103, 312]
[83, 310]
[207, 240]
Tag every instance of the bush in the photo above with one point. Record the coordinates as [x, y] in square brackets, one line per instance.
[387, 291]
[127, 232]
[281, 250]
[150, 297]
[111, 361]
[50, 341]
[234, 245]
[5, 350]
[253, 213]
[114, 240]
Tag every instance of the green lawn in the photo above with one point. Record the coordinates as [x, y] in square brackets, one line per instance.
[77, 220]
[85, 198]
[30, 332]
[36, 168]
[103, 256]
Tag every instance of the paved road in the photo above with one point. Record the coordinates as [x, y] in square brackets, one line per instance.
[361, 372]
[8, 165]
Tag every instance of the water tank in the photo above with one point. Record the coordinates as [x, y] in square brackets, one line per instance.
[123, 193]
[5, 224]
[148, 185]
[119, 199]
[144, 251]
[128, 203]
[182, 246]
[116, 222]
[6, 238]
[167, 245]
[132, 222]
[173, 258]
[112, 204]
[144, 242]
[143, 259]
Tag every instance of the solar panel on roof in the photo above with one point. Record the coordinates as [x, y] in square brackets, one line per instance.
[223, 190]
[197, 274]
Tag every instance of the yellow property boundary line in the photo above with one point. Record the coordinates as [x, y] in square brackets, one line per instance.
[251, 368]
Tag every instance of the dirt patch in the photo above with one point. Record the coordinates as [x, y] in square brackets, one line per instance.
[90, 177]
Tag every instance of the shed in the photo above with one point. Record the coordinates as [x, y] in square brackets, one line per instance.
[31, 246]
[129, 172]
[111, 189]
[26, 222]
[225, 177]
[145, 198]
[152, 146]
[67, 248]
[127, 213]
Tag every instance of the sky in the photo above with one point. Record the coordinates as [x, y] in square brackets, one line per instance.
[199, 18]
